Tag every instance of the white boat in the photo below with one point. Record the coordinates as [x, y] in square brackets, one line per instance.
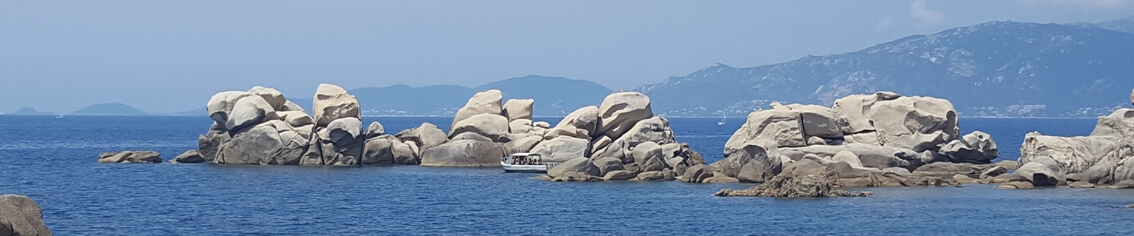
[526, 162]
[723, 116]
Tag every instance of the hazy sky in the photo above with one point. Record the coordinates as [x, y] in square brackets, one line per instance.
[168, 56]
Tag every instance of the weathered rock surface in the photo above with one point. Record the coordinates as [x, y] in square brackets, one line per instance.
[576, 165]
[486, 102]
[786, 186]
[1035, 173]
[191, 156]
[976, 147]
[426, 135]
[620, 111]
[581, 123]
[221, 104]
[916, 123]
[750, 163]
[516, 109]
[20, 215]
[387, 149]
[248, 111]
[331, 103]
[562, 149]
[776, 127]
[375, 129]
[493, 126]
[269, 143]
[475, 151]
[209, 143]
[130, 157]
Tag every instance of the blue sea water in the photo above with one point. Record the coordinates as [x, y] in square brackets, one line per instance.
[54, 162]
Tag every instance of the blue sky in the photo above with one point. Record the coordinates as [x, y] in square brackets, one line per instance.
[169, 56]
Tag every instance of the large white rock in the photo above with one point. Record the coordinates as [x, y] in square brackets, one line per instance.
[516, 109]
[387, 149]
[271, 95]
[247, 112]
[332, 102]
[869, 155]
[221, 104]
[976, 147]
[295, 118]
[486, 102]
[1119, 123]
[426, 135]
[818, 121]
[20, 215]
[562, 149]
[1037, 174]
[291, 106]
[269, 143]
[520, 126]
[749, 164]
[375, 129]
[466, 152]
[779, 127]
[521, 145]
[654, 129]
[581, 123]
[620, 111]
[1071, 154]
[917, 123]
[850, 111]
[493, 126]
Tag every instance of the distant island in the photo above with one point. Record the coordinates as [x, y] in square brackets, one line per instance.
[109, 109]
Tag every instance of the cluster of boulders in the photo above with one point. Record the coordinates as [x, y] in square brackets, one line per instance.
[1105, 158]
[621, 139]
[792, 187]
[881, 139]
[20, 215]
[260, 126]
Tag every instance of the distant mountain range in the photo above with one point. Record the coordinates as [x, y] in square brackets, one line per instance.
[109, 109]
[554, 96]
[1003, 69]
[997, 69]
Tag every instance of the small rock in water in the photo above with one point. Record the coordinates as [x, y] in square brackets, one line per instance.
[792, 187]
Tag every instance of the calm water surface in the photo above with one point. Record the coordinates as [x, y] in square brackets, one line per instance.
[54, 162]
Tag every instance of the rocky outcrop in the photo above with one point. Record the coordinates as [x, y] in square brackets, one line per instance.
[854, 142]
[130, 157]
[787, 186]
[622, 138]
[191, 156]
[1104, 157]
[20, 215]
[621, 135]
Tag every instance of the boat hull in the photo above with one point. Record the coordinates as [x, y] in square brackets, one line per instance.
[524, 168]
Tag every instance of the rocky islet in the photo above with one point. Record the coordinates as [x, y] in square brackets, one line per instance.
[870, 140]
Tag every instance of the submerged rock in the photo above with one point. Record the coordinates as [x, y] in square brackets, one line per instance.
[787, 186]
[130, 157]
